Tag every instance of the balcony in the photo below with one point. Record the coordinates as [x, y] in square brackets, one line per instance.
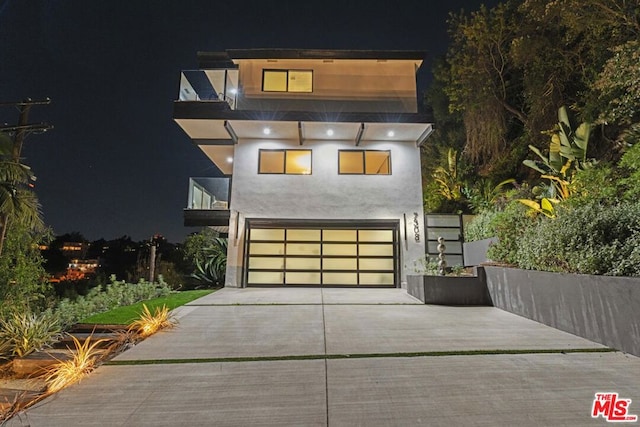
[208, 203]
[216, 86]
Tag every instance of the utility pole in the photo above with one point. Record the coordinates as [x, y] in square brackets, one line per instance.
[21, 130]
[152, 261]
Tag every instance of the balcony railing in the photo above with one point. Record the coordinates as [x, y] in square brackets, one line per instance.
[209, 85]
[208, 202]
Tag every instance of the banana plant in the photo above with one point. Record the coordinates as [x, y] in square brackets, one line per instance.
[567, 154]
[449, 184]
[544, 206]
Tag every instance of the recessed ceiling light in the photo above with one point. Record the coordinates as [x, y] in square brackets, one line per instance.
[330, 132]
[229, 159]
[266, 131]
[391, 133]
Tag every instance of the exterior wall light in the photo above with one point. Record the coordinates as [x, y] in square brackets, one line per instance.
[391, 134]
[229, 159]
[330, 132]
[266, 131]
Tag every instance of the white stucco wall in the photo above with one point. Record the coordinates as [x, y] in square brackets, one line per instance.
[326, 195]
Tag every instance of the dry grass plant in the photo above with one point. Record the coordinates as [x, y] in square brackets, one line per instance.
[85, 358]
[148, 323]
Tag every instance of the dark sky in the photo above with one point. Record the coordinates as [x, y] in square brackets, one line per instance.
[116, 164]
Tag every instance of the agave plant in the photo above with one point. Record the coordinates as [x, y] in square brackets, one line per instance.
[24, 333]
[212, 265]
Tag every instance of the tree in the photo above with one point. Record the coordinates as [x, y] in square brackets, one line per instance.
[23, 280]
[511, 67]
[18, 202]
[618, 90]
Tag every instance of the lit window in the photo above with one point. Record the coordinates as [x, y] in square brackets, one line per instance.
[364, 162]
[287, 81]
[291, 162]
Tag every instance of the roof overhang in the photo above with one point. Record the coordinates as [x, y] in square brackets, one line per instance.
[226, 59]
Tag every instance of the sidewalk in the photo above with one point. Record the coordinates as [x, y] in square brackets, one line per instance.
[312, 357]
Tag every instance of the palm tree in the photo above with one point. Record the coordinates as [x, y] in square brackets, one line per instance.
[18, 202]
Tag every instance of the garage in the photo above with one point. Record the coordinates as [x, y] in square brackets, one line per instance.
[312, 253]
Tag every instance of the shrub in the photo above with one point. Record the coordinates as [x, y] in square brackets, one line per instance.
[481, 226]
[509, 226]
[114, 294]
[595, 184]
[591, 239]
[631, 162]
[24, 333]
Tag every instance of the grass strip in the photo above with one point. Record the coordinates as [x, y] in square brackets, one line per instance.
[356, 356]
[126, 314]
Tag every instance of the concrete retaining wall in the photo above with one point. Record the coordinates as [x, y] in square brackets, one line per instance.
[600, 308]
[449, 290]
[475, 253]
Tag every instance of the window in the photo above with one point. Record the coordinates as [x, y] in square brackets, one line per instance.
[290, 162]
[364, 162]
[287, 81]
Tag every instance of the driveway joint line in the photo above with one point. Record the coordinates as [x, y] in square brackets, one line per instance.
[326, 363]
[358, 356]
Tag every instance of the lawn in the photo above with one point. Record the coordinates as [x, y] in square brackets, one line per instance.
[126, 314]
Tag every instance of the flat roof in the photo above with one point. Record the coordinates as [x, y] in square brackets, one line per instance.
[225, 59]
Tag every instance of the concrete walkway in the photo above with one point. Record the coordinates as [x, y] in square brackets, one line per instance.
[345, 357]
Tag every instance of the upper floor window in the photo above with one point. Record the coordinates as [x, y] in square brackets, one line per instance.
[291, 162]
[287, 81]
[364, 162]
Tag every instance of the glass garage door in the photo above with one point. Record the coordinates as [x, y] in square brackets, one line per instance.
[326, 256]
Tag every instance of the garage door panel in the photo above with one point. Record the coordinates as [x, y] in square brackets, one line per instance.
[376, 235]
[340, 278]
[340, 249]
[375, 250]
[303, 264]
[266, 263]
[304, 235]
[376, 264]
[303, 249]
[339, 235]
[266, 249]
[266, 278]
[340, 263]
[302, 278]
[376, 279]
[267, 234]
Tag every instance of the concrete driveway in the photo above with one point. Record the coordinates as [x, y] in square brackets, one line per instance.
[345, 357]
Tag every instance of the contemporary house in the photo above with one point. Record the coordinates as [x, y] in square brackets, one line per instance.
[321, 155]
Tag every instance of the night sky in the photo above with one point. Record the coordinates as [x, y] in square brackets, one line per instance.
[115, 163]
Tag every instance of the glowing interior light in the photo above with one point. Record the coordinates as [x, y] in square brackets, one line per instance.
[390, 134]
[330, 132]
[266, 131]
[229, 159]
